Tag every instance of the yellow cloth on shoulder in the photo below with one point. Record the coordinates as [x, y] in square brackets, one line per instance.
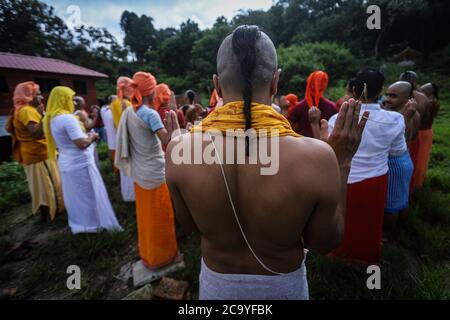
[116, 110]
[27, 150]
[231, 117]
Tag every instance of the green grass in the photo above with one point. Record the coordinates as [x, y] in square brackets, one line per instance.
[416, 265]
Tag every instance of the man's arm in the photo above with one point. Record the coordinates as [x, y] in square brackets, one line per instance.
[36, 130]
[325, 228]
[423, 103]
[171, 127]
[314, 116]
[182, 213]
[83, 143]
[33, 122]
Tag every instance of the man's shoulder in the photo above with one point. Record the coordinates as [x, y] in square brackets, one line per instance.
[394, 116]
[306, 150]
[64, 118]
[420, 96]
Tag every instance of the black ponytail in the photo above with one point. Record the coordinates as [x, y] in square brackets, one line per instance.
[244, 47]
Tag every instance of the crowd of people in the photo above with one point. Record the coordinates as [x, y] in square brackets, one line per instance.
[346, 173]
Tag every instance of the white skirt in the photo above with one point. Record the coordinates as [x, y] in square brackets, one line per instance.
[127, 187]
[87, 202]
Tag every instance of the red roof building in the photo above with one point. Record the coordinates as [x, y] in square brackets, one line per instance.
[48, 73]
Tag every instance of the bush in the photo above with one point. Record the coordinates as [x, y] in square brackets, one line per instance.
[13, 186]
[298, 61]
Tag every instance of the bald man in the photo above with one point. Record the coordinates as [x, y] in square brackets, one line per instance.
[426, 132]
[81, 113]
[423, 103]
[398, 99]
[432, 93]
[421, 146]
[301, 206]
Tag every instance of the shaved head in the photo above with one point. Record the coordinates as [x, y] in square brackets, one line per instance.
[247, 70]
[397, 95]
[402, 87]
[430, 90]
[409, 76]
[229, 66]
[79, 102]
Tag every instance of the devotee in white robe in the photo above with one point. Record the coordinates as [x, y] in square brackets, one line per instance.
[126, 182]
[88, 206]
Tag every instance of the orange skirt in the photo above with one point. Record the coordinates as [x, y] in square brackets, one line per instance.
[156, 226]
[364, 221]
[414, 153]
[423, 157]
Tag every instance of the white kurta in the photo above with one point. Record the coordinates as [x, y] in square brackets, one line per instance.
[126, 182]
[86, 199]
[108, 121]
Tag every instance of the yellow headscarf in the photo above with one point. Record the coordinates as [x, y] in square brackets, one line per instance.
[116, 110]
[231, 117]
[59, 102]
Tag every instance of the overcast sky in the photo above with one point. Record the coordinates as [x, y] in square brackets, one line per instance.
[166, 13]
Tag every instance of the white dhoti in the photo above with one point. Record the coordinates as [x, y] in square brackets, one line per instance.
[88, 206]
[127, 187]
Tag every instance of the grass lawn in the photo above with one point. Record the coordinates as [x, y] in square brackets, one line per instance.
[416, 265]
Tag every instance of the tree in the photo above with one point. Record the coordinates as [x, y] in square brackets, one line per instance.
[204, 53]
[174, 55]
[297, 62]
[140, 34]
[31, 27]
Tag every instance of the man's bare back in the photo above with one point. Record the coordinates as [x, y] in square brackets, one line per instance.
[274, 210]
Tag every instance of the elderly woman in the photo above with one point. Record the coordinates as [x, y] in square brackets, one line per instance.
[85, 196]
[30, 150]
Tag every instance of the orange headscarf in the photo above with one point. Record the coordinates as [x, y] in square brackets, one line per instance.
[144, 85]
[214, 99]
[24, 93]
[292, 99]
[315, 88]
[162, 95]
[124, 87]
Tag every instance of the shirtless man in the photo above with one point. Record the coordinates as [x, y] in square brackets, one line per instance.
[421, 145]
[80, 111]
[302, 206]
[423, 103]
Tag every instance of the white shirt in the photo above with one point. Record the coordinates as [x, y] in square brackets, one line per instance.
[276, 107]
[383, 135]
[65, 129]
[110, 128]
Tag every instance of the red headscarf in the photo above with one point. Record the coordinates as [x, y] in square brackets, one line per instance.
[162, 95]
[124, 87]
[24, 93]
[315, 88]
[144, 85]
